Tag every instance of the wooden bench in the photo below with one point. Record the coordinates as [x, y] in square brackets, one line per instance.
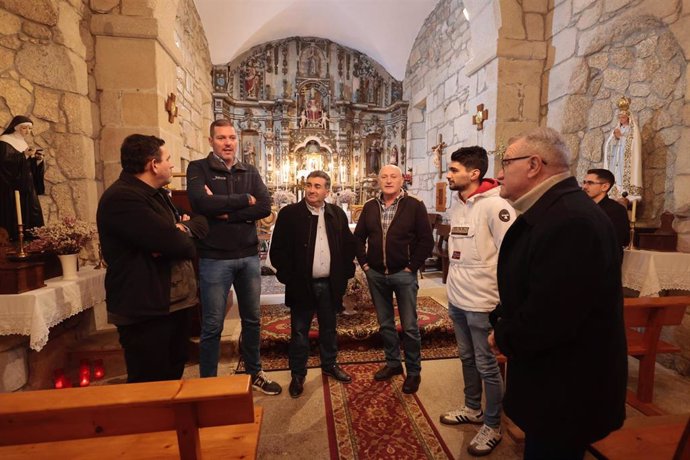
[663, 437]
[188, 419]
[650, 313]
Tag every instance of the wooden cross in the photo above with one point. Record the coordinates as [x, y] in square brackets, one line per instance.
[480, 117]
[438, 155]
[171, 107]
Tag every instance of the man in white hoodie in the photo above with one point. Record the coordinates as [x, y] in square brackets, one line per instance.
[479, 219]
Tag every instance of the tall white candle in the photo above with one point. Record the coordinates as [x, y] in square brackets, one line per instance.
[634, 211]
[18, 205]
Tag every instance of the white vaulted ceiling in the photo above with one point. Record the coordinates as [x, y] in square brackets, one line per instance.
[384, 30]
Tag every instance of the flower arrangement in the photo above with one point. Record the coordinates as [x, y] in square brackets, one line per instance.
[281, 197]
[67, 236]
[345, 196]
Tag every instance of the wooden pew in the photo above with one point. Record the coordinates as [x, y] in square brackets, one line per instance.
[188, 419]
[643, 438]
[650, 313]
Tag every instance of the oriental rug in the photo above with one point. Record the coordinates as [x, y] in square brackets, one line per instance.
[358, 337]
[368, 419]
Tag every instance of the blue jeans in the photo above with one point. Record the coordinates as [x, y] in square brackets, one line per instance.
[215, 278]
[478, 363]
[404, 285]
[300, 323]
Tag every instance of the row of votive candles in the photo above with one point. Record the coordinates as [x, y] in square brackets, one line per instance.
[85, 374]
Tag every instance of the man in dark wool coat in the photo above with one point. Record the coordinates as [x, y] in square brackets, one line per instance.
[312, 251]
[560, 320]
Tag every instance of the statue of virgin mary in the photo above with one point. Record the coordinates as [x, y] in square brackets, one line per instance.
[623, 154]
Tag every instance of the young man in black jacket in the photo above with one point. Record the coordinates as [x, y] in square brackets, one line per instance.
[147, 245]
[393, 240]
[312, 251]
[231, 194]
[596, 185]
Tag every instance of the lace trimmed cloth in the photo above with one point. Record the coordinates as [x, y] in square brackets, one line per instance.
[651, 272]
[33, 313]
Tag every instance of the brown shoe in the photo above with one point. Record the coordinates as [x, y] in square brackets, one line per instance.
[387, 372]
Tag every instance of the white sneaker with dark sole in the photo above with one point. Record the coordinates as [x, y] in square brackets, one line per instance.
[485, 441]
[463, 415]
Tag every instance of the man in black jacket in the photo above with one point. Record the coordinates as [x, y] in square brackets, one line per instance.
[560, 320]
[312, 250]
[150, 281]
[233, 197]
[596, 185]
[393, 240]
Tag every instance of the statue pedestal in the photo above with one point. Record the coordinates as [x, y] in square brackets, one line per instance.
[18, 277]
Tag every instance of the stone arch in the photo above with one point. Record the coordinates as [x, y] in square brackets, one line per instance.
[638, 57]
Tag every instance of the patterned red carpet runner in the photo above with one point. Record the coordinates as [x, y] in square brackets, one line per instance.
[376, 420]
[358, 337]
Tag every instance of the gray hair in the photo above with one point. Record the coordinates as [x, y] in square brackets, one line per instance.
[391, 166]
[549, 145]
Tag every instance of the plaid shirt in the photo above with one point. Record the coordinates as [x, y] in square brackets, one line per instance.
[387, 213]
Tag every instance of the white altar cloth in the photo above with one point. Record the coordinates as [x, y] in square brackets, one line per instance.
[33, 313]
[650, 272]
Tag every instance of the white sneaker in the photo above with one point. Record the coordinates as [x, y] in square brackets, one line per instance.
[485, 441]
[463, 415]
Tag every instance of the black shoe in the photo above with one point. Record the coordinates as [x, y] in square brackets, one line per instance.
[411, 384]
[387, 372]
[296, 386]
[337, 373]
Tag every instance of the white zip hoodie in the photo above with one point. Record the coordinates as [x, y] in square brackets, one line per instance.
[477, 229]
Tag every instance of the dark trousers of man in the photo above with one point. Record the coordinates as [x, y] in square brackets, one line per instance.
[156, 349]
[300, 322]
[540, 448]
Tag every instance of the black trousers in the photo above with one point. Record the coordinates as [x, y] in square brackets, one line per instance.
[157, 348]
[543, 448]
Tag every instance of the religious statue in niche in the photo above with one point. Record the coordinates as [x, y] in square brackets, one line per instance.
[623, 154]
[311, 63]
[373, 156]
[303, 119]
[249, 153]
[251, 80]
[313, 110]
[394, 155]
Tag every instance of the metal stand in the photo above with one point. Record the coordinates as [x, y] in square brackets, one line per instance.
[631, 245]
[20, 250]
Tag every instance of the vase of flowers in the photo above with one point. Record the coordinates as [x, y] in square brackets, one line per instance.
[283, 197]
[64, 238]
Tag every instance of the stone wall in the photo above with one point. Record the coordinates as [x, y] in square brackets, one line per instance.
[88, 73]
[46, 52]
[441, 96]
[601, 50]
[496, 59]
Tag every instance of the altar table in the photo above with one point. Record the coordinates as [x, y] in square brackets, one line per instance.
[651, 272]
[33, 313]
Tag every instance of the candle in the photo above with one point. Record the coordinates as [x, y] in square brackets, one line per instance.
[18, 205]
[634, 211]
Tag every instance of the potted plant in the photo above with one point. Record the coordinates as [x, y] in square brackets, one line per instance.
[64, 238]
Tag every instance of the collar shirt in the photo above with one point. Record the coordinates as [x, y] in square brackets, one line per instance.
[224, 163]
[322, 253]
[387, 213]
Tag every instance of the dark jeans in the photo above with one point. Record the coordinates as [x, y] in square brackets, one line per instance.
[300, 322]
[156, 349]
[404, 285]
[543, 448]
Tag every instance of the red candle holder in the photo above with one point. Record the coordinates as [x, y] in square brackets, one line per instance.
[84, 380]
[98, 369]
[59, 379]
[84, 369]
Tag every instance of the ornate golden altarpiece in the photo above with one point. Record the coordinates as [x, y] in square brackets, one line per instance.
[301, 104]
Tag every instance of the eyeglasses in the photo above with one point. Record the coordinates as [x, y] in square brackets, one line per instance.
[591, 182]
[506, 161]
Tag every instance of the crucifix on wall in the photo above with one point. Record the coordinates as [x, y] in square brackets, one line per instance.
[480, 117]
[438, 155]
[440, 186]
